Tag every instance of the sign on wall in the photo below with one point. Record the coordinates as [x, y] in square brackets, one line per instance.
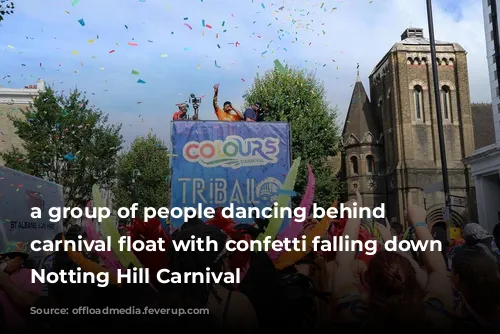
[218, 163]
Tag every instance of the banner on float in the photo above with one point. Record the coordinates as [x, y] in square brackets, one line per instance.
[218, 163]
[19, 194]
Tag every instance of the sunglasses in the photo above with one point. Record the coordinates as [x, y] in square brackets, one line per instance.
[8, 256]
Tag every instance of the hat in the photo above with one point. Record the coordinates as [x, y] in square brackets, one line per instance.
[475, 231]
[16, 247]
[257, 104]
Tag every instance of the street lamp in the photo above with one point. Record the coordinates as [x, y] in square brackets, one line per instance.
[439, 117]
[135, 173]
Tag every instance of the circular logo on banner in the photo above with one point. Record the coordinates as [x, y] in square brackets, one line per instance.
[268, 190]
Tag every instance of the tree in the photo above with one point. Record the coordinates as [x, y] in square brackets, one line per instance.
[151, 189]
[6, 8]
[66, 142]
[297, 97]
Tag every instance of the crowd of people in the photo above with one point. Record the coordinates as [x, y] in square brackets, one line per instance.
[345, 291]
[228, 112]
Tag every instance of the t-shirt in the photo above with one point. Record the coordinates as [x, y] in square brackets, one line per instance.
[15, 318]
[179, 115]
[250, 113]
[226, 116]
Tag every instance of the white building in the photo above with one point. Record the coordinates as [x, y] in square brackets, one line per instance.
[11, 100]
[485, 162]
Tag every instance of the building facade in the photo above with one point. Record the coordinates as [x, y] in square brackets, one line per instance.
[485, 162]
[390, 139]
[11, 100]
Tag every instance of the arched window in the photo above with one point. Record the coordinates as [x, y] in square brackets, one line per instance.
[370, 164]
[446, 101]
[417, 97]
[354, 165]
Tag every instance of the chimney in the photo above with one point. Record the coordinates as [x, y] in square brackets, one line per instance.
[412, 33]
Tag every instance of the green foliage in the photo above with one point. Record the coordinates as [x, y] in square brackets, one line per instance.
[56, 126]
[297, 97]
[6, 8]
[149, 156]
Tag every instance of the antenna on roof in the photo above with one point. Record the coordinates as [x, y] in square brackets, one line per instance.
[357, 69]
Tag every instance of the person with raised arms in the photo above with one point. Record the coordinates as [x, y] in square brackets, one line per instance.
[227, 113]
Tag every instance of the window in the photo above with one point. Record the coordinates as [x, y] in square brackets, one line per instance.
[446, 101]
[489, 2]
[492, 35]
[496, 75]
[491, 19]
[498, 91]
[370, 164]
[354, 165]
[417, 96]
[498, 107]
[494, 58]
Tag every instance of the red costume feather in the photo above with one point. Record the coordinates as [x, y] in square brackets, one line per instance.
[151, 230]
[238, 259]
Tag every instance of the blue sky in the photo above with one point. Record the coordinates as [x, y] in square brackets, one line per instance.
[39, 39]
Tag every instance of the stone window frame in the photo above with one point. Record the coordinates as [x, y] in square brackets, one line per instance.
[372, 164]
[446, 105]
[352, 160]
[418, 97]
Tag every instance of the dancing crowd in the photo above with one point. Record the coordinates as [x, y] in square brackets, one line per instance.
[337, 291]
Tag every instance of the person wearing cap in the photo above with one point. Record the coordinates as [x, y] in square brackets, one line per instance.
[476, 236]
[227, 113]
[17, 292]
[181, 114]
[251, 114]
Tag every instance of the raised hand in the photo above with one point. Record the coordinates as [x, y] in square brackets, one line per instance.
[415, 214]
[216, 87]
[385, 230]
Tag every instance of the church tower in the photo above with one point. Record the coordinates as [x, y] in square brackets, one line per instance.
[402, 96]
[363, 155]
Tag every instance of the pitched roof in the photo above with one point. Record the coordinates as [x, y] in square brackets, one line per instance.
[360, 118]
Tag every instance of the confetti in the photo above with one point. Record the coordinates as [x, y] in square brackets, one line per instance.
[223, 23]
[82, 22]
[134, 72]
[75, 2]
[126, 27]
[279, 67]
[209, 26]
[111, 51]
[216, 64]
[164, 55]
[185, 19]
[218, 46]
[140, 81]
[189, 26]
[10, 46]
[132, 44]
[74, 52]
[287, 192]
[91, 41]
[203, 23]
[263, 6]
